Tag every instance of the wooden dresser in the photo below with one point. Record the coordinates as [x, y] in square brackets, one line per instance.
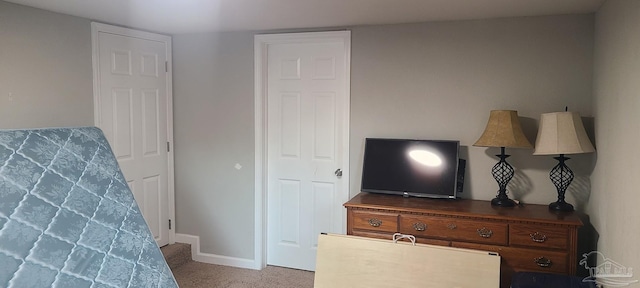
[528, 237]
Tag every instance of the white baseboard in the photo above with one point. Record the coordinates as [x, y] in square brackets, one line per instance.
[196, 255]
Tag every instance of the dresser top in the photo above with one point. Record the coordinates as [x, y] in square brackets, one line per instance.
[463, 208]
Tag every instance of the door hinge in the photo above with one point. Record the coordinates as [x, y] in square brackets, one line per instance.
[166, 66]
[168, 147]
[169, 224]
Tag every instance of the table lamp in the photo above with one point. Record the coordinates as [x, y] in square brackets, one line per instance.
[561, 133]
[503, 130]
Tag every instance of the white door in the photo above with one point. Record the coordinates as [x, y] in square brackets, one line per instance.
[133, 110]
[307, 98]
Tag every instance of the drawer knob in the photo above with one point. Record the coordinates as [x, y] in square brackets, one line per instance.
[375, 222]
[419, 226]
[484, 232]
[452, 226]
[537, 237]
[543, 262]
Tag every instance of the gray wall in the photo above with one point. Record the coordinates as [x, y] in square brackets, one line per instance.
[45, 69]
[430, 80]
[213, 129]
[614, 203]
[440, 80]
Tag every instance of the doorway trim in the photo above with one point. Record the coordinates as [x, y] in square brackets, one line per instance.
[261, 46]
[116, 30]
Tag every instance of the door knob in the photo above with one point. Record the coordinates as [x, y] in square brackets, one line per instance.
[338, 172]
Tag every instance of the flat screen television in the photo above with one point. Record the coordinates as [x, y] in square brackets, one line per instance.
[419, 168]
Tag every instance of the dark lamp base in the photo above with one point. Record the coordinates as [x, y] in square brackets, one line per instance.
[560, 206]
[502, 202]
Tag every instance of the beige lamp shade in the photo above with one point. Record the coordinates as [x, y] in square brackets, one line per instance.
[503, 130]
[562, 133]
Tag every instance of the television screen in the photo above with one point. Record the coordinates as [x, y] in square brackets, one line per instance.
[421, 168]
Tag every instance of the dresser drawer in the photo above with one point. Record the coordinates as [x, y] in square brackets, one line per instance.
[454, 229]
[437, 242]
[539, 236]
[374, 234]
[522, 259]
[375, 221]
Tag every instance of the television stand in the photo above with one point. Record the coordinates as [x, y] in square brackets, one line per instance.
[527, 237]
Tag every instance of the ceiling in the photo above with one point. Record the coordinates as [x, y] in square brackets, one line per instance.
[190, 16]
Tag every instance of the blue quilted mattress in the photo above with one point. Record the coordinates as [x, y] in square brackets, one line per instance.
[67, 216]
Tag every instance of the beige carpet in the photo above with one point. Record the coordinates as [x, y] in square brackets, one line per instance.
[195, 274]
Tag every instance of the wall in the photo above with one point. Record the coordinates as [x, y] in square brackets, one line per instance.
[615, 197]
[213, 131]
[440, 80]
[429, 80]
[45, 69]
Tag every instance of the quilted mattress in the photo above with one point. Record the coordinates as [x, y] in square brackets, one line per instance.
[67, 216]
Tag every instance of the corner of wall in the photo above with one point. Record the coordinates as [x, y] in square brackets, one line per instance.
[199, 256]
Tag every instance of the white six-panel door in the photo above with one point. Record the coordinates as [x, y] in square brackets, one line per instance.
[306, 94]
[132, 110]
